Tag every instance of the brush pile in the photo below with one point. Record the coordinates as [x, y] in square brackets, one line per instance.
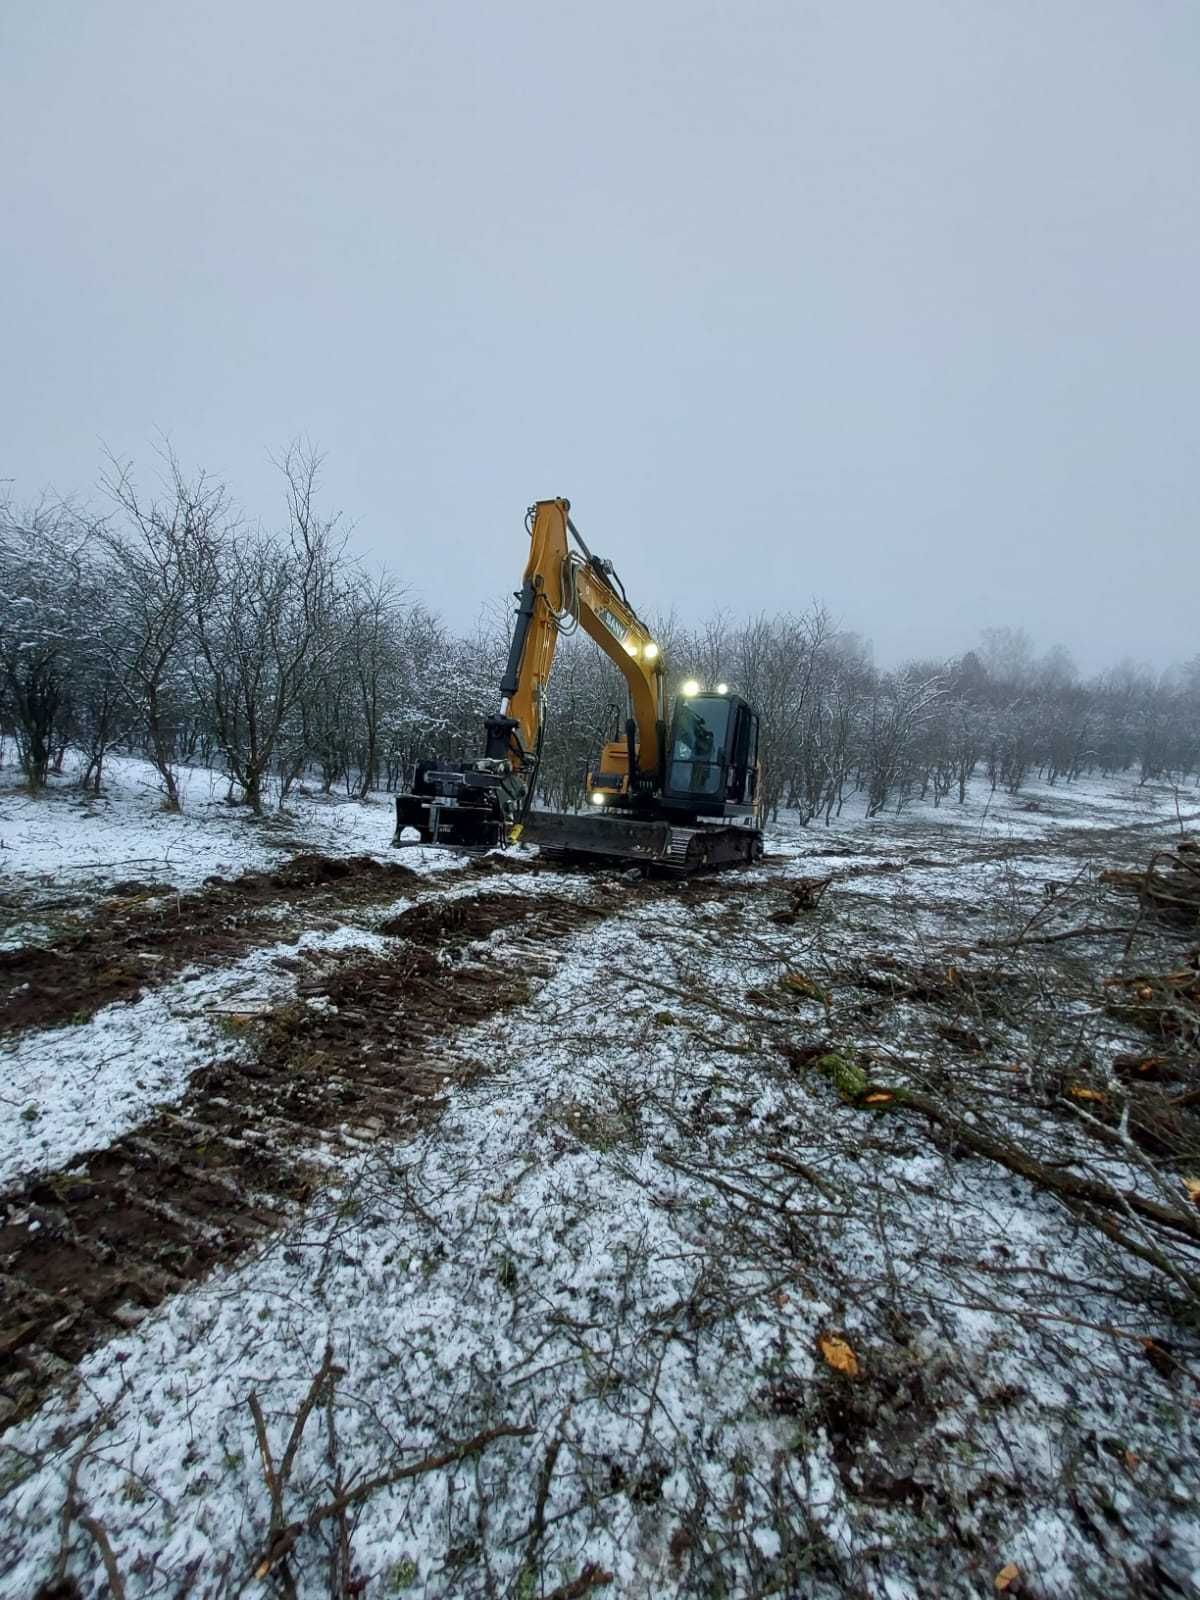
[1165, 1003]
[1169, 887]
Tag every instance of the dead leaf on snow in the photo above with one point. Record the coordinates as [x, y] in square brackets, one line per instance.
[1080, 1091]
[1007, 1576]
[1192, 1185]
[1160, 1358]
[838, 1354]
[804, 986]
[878, 1097]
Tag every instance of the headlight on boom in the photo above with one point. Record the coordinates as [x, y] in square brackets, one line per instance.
[597, 798]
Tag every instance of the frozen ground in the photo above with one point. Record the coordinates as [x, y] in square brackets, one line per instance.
[83, 842]
[656, 1303]
[1041, 811]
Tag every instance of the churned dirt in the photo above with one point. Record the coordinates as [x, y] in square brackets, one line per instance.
[87, 1252]
[143, 934]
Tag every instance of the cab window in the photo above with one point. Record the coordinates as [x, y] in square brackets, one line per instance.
[698, 745]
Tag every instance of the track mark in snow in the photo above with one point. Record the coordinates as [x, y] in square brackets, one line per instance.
[78, 1088]
[146, 936]
[365, 1053]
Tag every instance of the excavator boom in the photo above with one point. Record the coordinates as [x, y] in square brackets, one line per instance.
[564, 588]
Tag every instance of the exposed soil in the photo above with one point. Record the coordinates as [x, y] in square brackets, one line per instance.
[461, 920]
[86, 1252]
[143, 934]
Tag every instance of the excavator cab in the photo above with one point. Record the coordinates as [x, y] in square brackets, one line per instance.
[711, 756]
[710, 764]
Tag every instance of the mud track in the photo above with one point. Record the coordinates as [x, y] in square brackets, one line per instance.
[86, 1252]
[144, 934]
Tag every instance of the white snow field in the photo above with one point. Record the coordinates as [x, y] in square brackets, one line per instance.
[649, 1308]
[79, 841]
[73, 840]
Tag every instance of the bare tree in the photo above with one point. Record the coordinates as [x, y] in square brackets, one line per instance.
[153, 564]
[776, 666]
[899, 710]
[261, 619]
[46, 623]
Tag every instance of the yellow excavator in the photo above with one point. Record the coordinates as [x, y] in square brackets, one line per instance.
[679, 793]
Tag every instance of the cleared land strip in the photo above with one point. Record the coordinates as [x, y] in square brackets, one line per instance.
[143, 937]
[138, 939]
[365, 1052]
[845, 1286]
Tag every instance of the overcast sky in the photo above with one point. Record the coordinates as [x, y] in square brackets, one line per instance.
[894, 305]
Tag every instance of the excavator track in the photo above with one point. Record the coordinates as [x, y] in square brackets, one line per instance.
[655, 847]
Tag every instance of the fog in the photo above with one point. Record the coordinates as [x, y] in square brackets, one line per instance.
[894, 306]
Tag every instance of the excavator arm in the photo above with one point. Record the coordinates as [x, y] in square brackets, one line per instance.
[565, 587]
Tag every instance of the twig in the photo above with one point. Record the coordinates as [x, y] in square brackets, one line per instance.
[592, 1577]
[385, 1480]
[264, 1449]
[720, 1183]
[70, 1505]
[340, 1558]
[1088, 931]
[310, 1399]
[694, 997]
[538, 1526]
[815, 1178]
[74, 1511]
[115, 1586]
[285, 1539]
[1064, 1184]
[1045, 1316]
[94, 866]
[280, 1538]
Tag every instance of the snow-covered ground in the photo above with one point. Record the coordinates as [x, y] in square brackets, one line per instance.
[76, 841]
[77, 1088]
[1040, 811]
[82, 841]
[617, 1268]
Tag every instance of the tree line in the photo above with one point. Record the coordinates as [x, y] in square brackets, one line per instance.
[169, 627]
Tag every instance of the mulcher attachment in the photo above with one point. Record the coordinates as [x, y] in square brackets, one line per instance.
[463, 808]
